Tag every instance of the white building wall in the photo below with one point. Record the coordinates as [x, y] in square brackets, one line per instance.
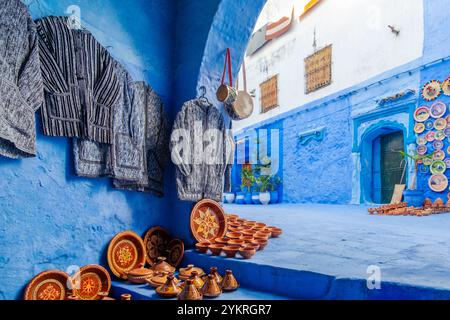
[363, 47]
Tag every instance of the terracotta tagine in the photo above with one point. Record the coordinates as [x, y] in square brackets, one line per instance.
[186, 273]
[170, 289]
[139, 275]
[229, 282]
[197, 280]
[162, 266]
[190, 292]
[202, 247]
[211, 287]
[216, 249]
[247, 252]
[231, 251]
[213, 271]
[159, 279]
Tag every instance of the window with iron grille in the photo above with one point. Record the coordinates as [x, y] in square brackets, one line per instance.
[269, 94]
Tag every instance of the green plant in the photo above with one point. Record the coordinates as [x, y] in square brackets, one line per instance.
[275, 181]
[416, 158]
[248, 179]
[264, 183]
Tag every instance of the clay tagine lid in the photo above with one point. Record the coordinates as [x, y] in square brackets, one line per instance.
[170, 289]
[211, 287]
[186, 273]
[198, 282]
[229, 282]
[190, 292]
[162, 266]
[213, 271]
[160, 279]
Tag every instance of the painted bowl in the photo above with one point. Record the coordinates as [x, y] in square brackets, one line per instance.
[216, 249]
[245, 227]
[260, 225]
[234, 224]
[234, 235]
[252, 246]
[236, 242]
[241, 220]
[261, 235]
[250, 233]
[250, 223]
[261, 242]
[247, 239]
[221, 241]
[247, 253]
[231, 251]
[276, 232]
[202, 247]
[234, 229]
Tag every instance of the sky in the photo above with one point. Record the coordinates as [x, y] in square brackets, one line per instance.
[275, 9]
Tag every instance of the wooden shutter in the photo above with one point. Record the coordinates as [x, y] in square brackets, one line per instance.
[269, 94]
[318, 70]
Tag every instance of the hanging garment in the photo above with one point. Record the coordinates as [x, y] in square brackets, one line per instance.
[199, 151]
[79, 81]
[156, 148]
[21, 91]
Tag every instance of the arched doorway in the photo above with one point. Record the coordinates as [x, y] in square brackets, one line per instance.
[382, 164]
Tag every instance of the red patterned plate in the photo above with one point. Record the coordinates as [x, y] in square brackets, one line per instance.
[48, 285]
[431, 90]
[175, 252]
[91, 282]
[208, 221]
[126, 252]
[156, 240]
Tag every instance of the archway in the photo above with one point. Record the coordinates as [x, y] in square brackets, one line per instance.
[381, 161]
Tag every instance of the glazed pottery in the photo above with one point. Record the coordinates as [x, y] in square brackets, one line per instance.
[186, 273]
[221, 241]
[276, 232]
[241, 220]
[190, 292]
[262, 243]
[260, 225]
[234, 229]
[216, 249]
[91, 282]
[264, 198]
[247, 239]
[231, 251]
[236, 242]
[247, 253]
[160, 279]
[233, 235]
[139, 275]
[229, 282]
[213, 271]
[202, 247]
[156, 240]
[125, 297]
[175, 252]
[48, 285]
[252, 245]
[170, 289]
[234, 224]
[197, 280]
[249, 233]
[250, 223]
[263, 235]
[208, 221]
[162, 266]
[211, 287]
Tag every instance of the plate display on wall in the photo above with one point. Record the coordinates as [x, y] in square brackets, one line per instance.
[447, 131]
[446, 87]
[438, 183]
[422, 114]
[431, 90]
[439, 135]
[156, 240]
[430, 136]
[438, 167]
[48, 285]
[421, 141]
[429, 124]
[208, 221]
[438, 109]
[427, 161]
[438, 155]
[438, 145]
[419, 128]
[91, 282]
[447, 162]
[440, 124]
[175, 252]
[126, 252]
[422, 150]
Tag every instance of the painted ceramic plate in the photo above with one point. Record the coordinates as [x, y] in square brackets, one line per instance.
[422, 114]
[421, 150]
[439, 135]
[421, 141]
[48, 285]
[438, 145]
[438, 109]
[156, 240]
[91, 282]
[208, 221]
[446, 87]
[439, 155]
[440, 124]
[430, 136]
[419, 128]
[438, 167]
[427, 161]
[431, 90]
[126, 252]
[429, 124]
[447, 162]
[438, 183]
[424, 169]
[447, 132]
[175, 252]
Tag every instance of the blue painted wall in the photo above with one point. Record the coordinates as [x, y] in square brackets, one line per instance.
[50, 218]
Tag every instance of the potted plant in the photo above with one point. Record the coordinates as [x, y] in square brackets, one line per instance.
[414, 196]
[248, 180]
[264, 187]
[275, 183]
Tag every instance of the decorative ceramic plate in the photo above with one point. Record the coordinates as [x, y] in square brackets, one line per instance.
[126, 252]
[422, 114]
[438, 183]
[447, 162]
[440, 124]
[91, 282]
[175, 252]
[429, 124]
[438, 167]
[208, 221]
[156, 240]
[439, 155]
[439, 135]
[431, 90]
[446, 87]
[423, 169]
[438, 109]
[438, 145]
[48, 285]
[419, 128]
[430, 136]
[447, 132]
[427, 161]
[421, 150]
[421, 141]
